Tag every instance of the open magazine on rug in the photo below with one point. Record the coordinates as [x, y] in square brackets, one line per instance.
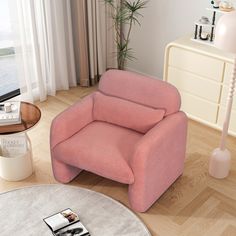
[66, 223]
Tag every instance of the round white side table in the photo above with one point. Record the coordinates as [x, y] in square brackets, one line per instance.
[20, 166]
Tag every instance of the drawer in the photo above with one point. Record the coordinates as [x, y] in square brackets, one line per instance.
[194, 84]
[228, 73]
[224, 97]
[196, 63]
[221, 117]
[198, 107]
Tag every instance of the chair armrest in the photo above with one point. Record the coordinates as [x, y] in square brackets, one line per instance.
[167, 136]
[72, 120]
[158, 161]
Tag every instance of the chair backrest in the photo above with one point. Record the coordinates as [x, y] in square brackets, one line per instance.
[140, 89]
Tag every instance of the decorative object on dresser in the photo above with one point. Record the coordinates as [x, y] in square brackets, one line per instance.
[141, 142]
[226, 6]
[204, 28]
[202, 75]
[225, 40]
[215, 3]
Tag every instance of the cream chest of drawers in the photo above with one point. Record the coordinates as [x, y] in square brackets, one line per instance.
[202, 74]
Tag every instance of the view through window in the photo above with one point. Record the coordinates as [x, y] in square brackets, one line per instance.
[8, 70]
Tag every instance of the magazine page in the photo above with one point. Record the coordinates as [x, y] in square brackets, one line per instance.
[74, 229]
[61, 219]
[12, 146]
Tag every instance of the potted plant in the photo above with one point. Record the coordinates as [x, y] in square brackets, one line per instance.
[125, 14]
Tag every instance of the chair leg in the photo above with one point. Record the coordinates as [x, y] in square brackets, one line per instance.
[64, 173]
[143, 194]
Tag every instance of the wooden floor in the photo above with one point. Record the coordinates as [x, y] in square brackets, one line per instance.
[196, 205]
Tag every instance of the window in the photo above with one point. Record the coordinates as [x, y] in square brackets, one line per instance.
[9, 84]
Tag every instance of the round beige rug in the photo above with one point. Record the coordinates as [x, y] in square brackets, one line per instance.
[23, 210]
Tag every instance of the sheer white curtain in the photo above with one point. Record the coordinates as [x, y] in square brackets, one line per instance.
[44, 47]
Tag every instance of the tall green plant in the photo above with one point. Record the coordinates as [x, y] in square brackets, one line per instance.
[125, 14]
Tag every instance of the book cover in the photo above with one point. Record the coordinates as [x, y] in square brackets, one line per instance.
[12, 146]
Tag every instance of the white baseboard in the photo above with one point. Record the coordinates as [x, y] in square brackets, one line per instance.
[141, 73]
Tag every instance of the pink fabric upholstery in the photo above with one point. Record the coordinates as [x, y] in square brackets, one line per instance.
[148, 162]
[76, 117]
[63, 127]
[158, 161]
[101, 148]
[125, 113]
[140, 89]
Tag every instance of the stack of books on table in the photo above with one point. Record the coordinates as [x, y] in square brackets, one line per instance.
[10, 113]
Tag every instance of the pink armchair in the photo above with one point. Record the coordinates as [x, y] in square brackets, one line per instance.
[130, 130]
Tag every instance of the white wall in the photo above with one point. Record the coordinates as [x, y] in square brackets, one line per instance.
[163, 21]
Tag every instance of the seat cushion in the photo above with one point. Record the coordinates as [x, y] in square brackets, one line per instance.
[125, 113]
[101, 148]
